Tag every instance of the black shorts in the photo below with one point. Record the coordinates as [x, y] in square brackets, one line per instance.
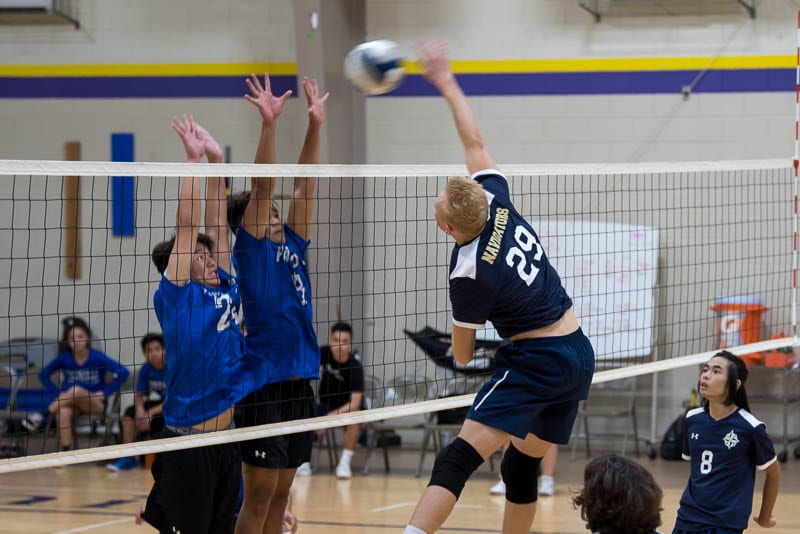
[195, 490]
[273, 403]
[156, 422]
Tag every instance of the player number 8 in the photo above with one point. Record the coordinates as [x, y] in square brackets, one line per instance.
[705, 462]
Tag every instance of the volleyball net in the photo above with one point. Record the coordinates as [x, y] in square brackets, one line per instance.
[663, 262]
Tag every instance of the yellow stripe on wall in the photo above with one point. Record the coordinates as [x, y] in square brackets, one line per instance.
[459, 66]
[149, 69]
[615, 64]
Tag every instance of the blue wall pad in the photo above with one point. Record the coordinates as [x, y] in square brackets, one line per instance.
[123, 188]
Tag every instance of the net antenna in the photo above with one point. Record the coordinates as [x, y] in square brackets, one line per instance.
[795, 164]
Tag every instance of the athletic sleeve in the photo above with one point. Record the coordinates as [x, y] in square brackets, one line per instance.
[120, 372]
[248, 259]
[143, 379]
[472, 302]
[493, 182]
[763, 449]
[293, 237]
[45, 374]
[357, 378]
[686, 453]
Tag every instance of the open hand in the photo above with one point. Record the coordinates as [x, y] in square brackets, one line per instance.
[434, 61]
[261, 97]
[316, 104]
[212, 149]
[191, 137]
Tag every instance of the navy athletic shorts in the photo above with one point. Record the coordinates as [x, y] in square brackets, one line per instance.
[536, 387]
[273, 403]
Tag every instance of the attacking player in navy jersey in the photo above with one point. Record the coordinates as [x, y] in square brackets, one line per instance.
[207, 370]
[270, 260]
[725, 444]
[500, 273]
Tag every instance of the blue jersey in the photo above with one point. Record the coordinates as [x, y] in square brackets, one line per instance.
[91, 375]
[151, 380]
[503, 275]
[276, 294]
[725, 455]
[207, 370]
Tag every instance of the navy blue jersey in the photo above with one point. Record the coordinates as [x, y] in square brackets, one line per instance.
[725, 455]
[503, 275]
[207, 370]
[276, 295]
[151, 380]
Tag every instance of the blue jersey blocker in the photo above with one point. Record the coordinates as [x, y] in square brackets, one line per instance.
[207, 368]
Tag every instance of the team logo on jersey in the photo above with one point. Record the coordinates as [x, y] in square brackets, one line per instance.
[694, 435]
[731, 439]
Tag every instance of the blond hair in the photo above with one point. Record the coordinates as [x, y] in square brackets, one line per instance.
[465, 208]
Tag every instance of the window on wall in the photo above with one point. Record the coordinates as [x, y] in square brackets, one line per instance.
[39, 12]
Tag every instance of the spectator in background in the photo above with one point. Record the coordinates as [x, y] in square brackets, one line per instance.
[144, 418]
[84, 388]
[341, 390]
[619, 495]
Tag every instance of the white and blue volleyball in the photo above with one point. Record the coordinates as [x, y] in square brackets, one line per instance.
[374, 67]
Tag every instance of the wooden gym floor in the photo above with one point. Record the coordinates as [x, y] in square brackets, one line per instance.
[89, 498]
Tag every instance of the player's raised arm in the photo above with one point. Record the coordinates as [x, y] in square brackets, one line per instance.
[301, 207]
[435, 65]
[258, 211]
[187, 224]
[216, 216]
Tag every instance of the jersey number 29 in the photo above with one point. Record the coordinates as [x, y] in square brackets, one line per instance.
[527, 242]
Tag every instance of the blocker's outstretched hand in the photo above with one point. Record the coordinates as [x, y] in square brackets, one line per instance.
[191, 136]
[316, 104]
[269, 106]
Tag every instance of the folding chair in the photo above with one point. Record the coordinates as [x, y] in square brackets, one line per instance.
[609, 400]
[400, 390]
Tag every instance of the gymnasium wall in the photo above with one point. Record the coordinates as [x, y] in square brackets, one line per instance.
[593, 92]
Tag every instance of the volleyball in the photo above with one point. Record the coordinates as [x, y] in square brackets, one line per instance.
[374, 67]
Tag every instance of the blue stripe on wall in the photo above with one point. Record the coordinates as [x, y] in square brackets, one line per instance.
[483, 84]
[123, 190]
[136, 87]
[603, 83]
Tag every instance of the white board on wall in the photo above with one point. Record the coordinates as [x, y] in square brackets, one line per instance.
[610, 272]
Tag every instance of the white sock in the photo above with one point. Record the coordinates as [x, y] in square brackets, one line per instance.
[347, 454]
[413, 530]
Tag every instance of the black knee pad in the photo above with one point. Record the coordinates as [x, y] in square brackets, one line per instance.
[519, 473]
[454, 465]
